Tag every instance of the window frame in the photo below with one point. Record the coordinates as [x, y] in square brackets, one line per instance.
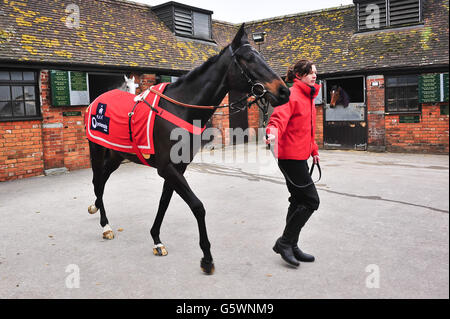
[387, 87]
[325, 88]
[388, 17]
[23, 83]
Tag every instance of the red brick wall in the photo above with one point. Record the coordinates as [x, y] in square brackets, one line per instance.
[75, 145]
[21, 150]
[221, 121]
[386, 133]
[375, 113]
[145, 81]
[319, 125]
[431, 135]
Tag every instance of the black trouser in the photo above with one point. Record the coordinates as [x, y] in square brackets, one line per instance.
[303, 201]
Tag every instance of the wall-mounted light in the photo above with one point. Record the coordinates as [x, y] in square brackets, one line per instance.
[259, 37]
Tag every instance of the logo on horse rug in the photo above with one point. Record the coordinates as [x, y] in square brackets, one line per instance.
[108, 121]
[100, 122]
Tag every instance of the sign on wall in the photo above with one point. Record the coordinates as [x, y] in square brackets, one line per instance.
[433, 88]
[69, 88]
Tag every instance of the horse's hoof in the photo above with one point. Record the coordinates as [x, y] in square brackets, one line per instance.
[92, 209]
[159, 250]
[207, 266]
[108, 233]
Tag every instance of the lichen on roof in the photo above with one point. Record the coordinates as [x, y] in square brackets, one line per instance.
[328, 37]
[119, 33]
[113, 32]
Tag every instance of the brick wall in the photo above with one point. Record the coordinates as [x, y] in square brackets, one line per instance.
[375, 113]
[319, 125]
[386, 133]
[221, 121]
[431, 135]
[145, 81]
[21, 150]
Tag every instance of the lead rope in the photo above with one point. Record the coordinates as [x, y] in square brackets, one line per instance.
[265, 110]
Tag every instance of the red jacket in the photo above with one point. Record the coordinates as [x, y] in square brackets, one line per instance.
[294, 124]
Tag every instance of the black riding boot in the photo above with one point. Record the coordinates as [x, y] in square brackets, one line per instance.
[298, 253]
[283, 245]
[286, 246]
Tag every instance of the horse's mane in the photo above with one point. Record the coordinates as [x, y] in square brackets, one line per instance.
[345, 98]
[193, 74]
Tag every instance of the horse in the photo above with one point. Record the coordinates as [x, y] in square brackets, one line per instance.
[339, 96]
[128, 85]
[238, 68]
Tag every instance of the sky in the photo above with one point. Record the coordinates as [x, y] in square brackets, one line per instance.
[237, 11]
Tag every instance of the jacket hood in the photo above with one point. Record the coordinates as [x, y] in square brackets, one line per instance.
[306, 89]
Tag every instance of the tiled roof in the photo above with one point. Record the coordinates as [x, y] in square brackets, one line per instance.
[223, 32]
[111, 33]
[328, 37]
[126, 34]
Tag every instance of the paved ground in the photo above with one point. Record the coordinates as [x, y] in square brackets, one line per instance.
[383, 222]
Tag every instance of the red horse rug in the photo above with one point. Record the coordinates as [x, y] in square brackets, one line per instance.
[108, 121]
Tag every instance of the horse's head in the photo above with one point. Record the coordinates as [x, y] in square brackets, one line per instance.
[335, 95]
[339, 96]
[249, 73]
[130, 86]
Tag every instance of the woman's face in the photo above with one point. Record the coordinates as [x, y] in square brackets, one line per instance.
[311, 78]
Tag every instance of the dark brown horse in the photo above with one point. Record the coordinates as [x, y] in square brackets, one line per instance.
[238, 67]
[339, 96]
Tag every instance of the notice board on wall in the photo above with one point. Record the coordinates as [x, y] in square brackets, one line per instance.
[433, 88]
[69, 88]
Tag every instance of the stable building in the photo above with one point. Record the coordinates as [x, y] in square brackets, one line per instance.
[389, 56]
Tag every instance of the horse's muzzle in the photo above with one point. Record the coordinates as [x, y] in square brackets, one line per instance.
[280, 97]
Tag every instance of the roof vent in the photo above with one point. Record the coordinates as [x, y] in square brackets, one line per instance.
[185, 21]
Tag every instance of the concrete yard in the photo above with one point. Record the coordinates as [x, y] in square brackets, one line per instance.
[382, 231]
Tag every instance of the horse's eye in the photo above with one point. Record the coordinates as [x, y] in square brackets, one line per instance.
[249, 58]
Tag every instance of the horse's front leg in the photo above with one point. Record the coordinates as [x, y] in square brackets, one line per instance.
[159, 249]
[180, 185]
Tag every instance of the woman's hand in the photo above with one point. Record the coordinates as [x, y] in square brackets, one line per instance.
[316, 159]
[269, 138]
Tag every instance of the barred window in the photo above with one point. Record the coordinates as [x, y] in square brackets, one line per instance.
[375, 14]
[402, 94]
[19, 95]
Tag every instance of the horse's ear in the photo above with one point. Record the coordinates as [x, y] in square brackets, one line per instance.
[132, 79]
[240, 38]
[125, 77]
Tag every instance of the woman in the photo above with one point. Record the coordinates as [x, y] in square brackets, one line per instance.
[292, 126]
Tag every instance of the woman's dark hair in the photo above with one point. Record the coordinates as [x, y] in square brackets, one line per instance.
[301, 68]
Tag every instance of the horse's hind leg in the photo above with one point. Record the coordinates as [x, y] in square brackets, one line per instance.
[180, 185]
[102, 169]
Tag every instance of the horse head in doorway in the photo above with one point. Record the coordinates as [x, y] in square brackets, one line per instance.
[338, 96]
